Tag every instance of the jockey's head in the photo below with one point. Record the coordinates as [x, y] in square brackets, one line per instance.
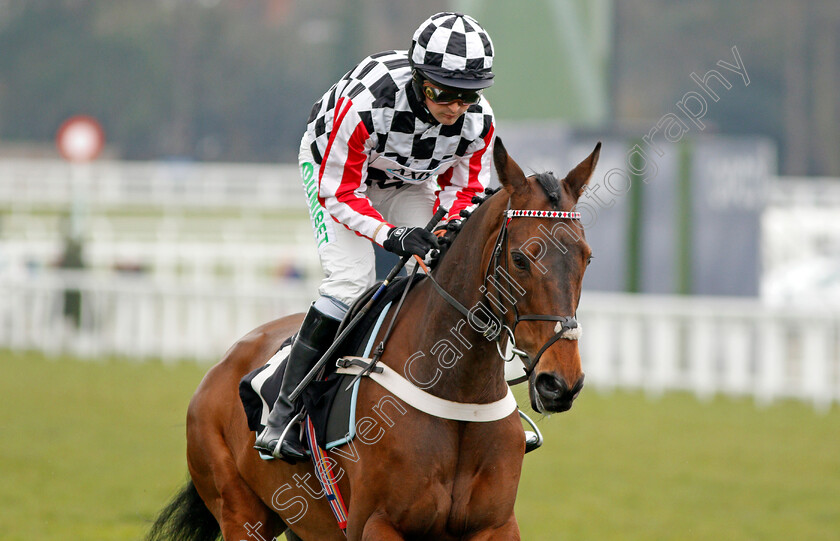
[451, 57]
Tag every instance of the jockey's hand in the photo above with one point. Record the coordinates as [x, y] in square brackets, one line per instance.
[408, 241]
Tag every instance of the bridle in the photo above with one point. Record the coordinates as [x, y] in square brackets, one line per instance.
[567, 326]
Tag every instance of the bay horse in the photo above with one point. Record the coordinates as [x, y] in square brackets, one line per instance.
[408, 474]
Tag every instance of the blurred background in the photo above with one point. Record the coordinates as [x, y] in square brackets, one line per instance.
[151, 210]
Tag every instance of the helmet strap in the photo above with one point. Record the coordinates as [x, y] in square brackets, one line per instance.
[417, 100]
[417, 81]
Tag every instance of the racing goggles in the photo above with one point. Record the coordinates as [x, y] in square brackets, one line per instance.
[445, 97]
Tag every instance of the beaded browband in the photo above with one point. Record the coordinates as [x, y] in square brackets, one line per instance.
[542, 214]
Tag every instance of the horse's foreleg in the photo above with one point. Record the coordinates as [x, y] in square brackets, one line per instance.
[507, 532]
[241, 515]
[244, 517]
[378, 528]
[252, 530]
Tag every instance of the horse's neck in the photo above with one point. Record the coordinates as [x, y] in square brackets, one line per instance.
[444, 336]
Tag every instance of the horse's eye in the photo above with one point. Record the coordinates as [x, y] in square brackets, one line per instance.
[589, 260]
[520, 261]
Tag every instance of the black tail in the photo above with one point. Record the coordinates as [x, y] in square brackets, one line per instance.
[186, 518]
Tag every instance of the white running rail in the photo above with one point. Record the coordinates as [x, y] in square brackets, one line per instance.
[155, 184]
[710, 345]
[705, 346]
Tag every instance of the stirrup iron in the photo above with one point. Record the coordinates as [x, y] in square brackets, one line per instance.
[533, 440]
[293, 423]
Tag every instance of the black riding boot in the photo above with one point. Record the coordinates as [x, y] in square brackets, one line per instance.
[314, 338]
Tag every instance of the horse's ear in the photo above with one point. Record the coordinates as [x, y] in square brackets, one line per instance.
[580, 175]
[510, 174]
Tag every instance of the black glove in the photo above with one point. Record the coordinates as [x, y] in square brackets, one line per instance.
[407, 241]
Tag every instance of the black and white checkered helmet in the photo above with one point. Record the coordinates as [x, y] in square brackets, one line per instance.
[452, 49]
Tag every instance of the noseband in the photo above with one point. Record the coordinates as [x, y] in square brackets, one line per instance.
[567, 326]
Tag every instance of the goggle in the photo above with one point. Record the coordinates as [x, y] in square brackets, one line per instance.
[444, 97]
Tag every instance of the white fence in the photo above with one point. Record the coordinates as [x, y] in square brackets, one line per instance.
[244, 222]
[241, 261]
[157, 184]
[712, 345]
[135, 317]
[705, 346]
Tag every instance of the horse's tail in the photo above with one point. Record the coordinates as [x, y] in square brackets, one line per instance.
[185, 518]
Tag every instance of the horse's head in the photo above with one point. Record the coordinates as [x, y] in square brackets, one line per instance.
[545, 258]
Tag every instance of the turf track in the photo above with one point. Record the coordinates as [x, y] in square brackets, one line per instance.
[91, 451]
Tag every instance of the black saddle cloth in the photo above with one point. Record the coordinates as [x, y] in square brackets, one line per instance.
[325, 397]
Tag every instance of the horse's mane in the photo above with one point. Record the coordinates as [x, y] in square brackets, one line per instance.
[546, 180]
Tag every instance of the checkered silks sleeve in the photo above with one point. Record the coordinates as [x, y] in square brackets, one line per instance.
[342, 172]
[468, 176]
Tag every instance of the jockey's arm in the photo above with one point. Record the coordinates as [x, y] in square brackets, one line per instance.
[466, 178]
[342, 173]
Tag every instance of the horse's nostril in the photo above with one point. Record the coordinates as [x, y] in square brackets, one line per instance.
[578, 386]
[551, 385]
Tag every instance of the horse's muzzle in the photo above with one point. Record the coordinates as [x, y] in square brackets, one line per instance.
[550, 392]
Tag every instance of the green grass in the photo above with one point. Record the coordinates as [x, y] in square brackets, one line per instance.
[92, 450]
[89, 450]
[622, 466]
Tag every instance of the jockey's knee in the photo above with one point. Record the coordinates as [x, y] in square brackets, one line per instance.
[344, 290]
[332, 307]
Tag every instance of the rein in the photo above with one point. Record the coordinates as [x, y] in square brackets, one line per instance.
[567, 326]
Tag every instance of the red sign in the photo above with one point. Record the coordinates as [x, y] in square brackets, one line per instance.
[80, 139]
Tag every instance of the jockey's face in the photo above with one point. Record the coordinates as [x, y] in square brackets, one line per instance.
[446, 113]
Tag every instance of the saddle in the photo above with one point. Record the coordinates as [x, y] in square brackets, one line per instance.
[328, 403]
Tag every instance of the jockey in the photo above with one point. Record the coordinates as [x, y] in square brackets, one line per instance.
[399, 135]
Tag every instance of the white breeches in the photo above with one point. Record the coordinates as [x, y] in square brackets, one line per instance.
[348, 259]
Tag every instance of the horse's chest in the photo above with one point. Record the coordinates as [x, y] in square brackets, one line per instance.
[480, 496]
[477, 494]
[455, 481]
